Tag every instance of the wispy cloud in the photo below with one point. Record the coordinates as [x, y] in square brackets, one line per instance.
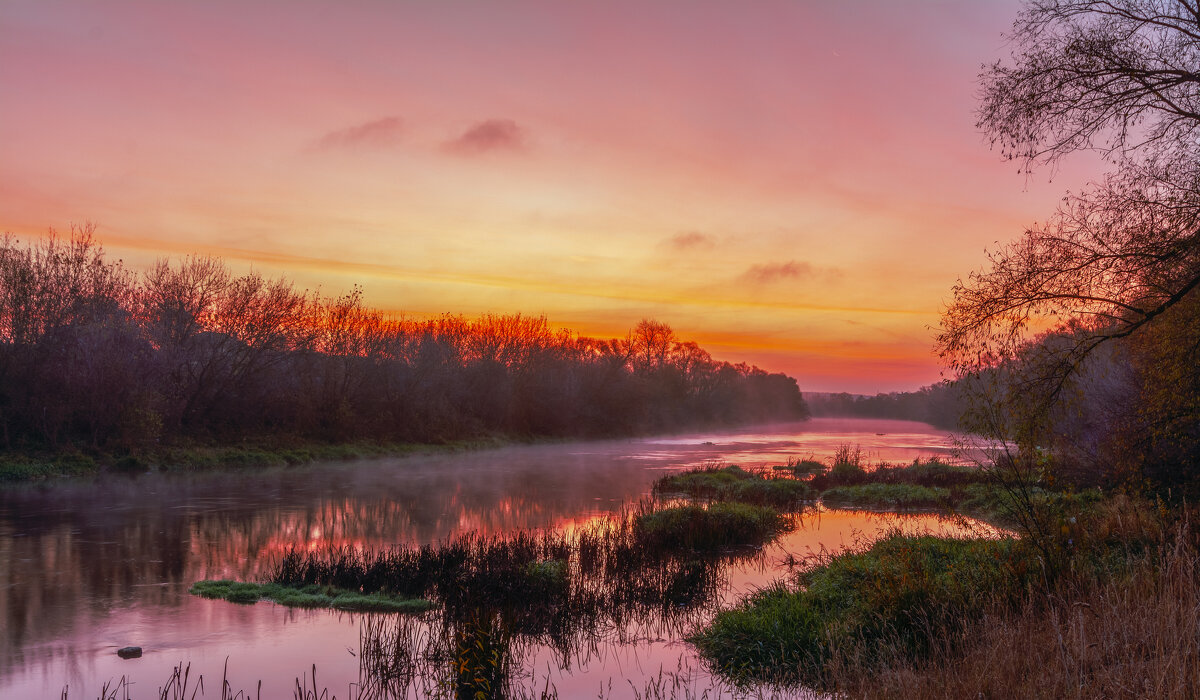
[380, 133]
[691, 240]
[488, 136]
[776, 272]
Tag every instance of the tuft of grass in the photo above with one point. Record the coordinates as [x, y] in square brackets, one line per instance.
[850, 469]
[802, 468]
[703, 482]
[718, 483]
[379, 602]
[712, 528]
[784, 494]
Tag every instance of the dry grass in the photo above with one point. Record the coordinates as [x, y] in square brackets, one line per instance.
[1129, 629]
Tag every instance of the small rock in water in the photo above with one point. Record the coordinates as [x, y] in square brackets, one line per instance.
[129, 652]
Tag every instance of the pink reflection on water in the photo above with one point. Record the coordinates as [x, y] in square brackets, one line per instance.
[86, 569]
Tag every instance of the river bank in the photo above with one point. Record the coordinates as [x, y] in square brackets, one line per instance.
[17, 467]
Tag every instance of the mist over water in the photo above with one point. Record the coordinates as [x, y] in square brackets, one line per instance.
[86, 568]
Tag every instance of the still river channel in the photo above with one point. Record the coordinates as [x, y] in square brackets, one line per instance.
[87, 568]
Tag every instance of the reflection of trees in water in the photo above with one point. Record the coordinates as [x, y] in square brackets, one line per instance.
[73, 553]
[574, 595]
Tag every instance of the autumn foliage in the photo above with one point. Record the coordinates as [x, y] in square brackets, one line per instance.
[94, 354]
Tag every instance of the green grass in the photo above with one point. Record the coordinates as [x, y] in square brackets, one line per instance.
[886, 496]
[901, 595]
[802, 467]
[311, 596]
[16, 468]
[705, 482]
[707, 529]
[736, 484]
[32, 467]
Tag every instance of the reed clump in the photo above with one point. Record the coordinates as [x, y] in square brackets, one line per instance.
[709, 528]
[717, 482]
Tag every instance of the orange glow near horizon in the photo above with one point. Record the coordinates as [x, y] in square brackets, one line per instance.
[796, 187]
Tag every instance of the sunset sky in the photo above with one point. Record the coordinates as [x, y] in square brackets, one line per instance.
[793, 184]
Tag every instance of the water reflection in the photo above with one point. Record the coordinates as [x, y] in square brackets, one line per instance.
[88, 567]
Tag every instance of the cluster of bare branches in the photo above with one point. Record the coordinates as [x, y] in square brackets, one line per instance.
[1117, 267]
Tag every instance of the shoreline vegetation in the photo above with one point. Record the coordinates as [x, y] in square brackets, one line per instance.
[1083, 601]
[909, 615]
[18, 468]
[99, 363]
[664, 560]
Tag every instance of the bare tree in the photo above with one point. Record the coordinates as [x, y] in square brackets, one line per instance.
[1121, 77]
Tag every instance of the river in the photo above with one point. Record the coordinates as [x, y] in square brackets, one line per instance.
[89, 567]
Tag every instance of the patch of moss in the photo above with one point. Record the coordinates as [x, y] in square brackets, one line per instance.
[246, 593]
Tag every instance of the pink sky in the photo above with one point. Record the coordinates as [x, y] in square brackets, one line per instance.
[795, 185]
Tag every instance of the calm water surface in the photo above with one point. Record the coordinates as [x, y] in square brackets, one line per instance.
[86, 568]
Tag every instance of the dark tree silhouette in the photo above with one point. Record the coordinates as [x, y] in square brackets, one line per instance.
[94, 356]
[1119, 261]
[1121, 77]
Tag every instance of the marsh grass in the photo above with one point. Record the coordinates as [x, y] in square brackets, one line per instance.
[886, 496]
[926, 617]
[802, 468]
[648, 571]
[1120, 622]
[311, 596]
[710, 528]
[732, 483]
[850, 468]
[899, 594]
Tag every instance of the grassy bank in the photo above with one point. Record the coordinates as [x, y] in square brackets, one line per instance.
[30, 468]
[1125, 631]
[867, 605]
[1096, 611]
[990, 502]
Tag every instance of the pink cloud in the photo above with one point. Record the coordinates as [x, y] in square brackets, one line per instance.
[380, 133]
[488, 136]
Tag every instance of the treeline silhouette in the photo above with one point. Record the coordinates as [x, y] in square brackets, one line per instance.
[939, 404]
[94, 354]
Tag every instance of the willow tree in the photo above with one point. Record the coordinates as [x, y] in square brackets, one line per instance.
[1122, 78]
